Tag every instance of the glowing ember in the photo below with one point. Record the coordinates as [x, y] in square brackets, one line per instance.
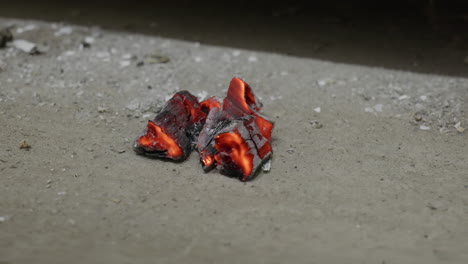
[209, 104]
[233, 136]
[155, 140]
[172, 131]
[234, 154]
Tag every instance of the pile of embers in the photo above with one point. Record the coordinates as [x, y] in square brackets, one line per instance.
[232, 136]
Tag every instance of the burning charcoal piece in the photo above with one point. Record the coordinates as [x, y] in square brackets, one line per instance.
[216, 122]
[236, 152]
[171, 133]
[240, 99]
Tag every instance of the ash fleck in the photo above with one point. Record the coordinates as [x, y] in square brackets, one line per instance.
[458, 127]
[425, 128]
[26, 46]
[267, 166]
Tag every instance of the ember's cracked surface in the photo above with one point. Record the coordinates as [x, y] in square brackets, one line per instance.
[233, 136]
[171, 133]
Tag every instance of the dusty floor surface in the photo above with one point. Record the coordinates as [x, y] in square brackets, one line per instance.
[368, 166]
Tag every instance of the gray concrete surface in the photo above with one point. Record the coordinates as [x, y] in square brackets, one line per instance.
[384, 180]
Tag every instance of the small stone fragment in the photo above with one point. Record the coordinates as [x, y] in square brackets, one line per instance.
[25, 145]
[63, 31]
[155, 58]
[102, 109]
[124, 63]
[378, 107]
[252, 58]
[317, 109]
[316, 124]
[322, 83]
[26, 46]
[458, 127]
[417, 117]
[266, 167]
[424, 127]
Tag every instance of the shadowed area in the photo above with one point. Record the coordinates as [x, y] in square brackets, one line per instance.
[419, 36]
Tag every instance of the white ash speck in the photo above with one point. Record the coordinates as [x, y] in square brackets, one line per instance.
[25, 46]
[423, 97]
[62, 193]
[4, 218]
[403, 97]
[236, 53]
[266, 167]
[322, 83]
[459, 127]
[378, 107]
[69, 53]
[30, 27]
[424, 127]
[368, 110]
[124, 63]
[102, 54]
[147, 116]
[252, 58]
[63, 31]
[318, 109]
[198, 59]
[89, 40]
[127, 56]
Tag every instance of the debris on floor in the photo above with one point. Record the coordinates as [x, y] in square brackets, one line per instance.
[459, 127]
[25, 145]
[156, 58]
[316, 124]
[424, 127]
[25, 46]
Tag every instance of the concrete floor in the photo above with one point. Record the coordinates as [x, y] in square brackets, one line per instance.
[384, 180]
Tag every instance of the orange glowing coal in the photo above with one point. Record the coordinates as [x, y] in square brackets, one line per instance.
[209, 104]
[156, 140]
[206, 159]
[233, 150]
[241, 93]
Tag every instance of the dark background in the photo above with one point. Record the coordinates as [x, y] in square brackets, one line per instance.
[414, 35]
